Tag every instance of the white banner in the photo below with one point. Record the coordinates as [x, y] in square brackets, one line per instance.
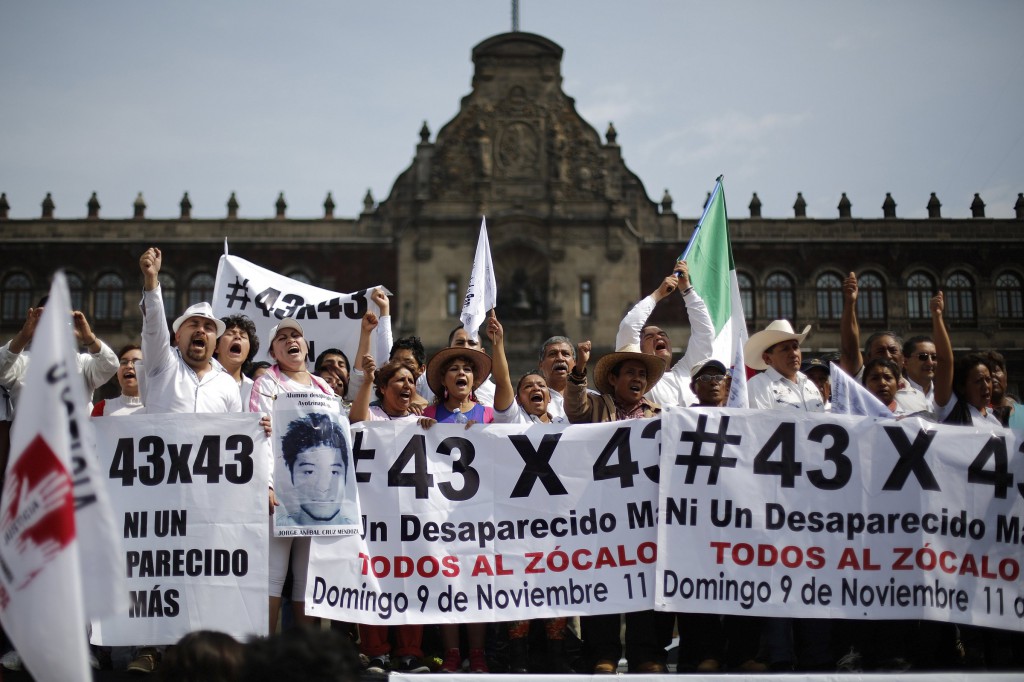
[828, 516]
[492, 524]
[314, 479]
[191, 490]
[328, 319]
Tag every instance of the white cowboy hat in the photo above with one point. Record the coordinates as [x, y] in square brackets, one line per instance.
[777, 332]
[654, 364]
[200, 310]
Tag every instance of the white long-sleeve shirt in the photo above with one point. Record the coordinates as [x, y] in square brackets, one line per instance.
[674, 387]
[95, 368]
[769, 390]
[166, 382]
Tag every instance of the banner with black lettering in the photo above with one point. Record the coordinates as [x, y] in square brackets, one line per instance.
[772, 513]
[329, 319]
[494, 523]
[191, 490]
[313, 477]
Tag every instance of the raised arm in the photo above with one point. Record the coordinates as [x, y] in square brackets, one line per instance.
[156, 339]
[943, 381]
[633, 323]
[850, 359]
[504, 393]
[385, 339]
[101, 363]
[701, 345]
[578, 405]
[360, 410]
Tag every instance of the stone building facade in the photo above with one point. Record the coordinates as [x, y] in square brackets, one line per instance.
[576, 239]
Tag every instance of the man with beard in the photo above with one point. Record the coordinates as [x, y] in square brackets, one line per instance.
[674, 387]
[184, 378]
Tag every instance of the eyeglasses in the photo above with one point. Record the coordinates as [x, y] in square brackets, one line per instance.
[124, 362]
[710, 378]
[925, 357]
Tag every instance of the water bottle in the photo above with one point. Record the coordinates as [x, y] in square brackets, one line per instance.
[460, 417]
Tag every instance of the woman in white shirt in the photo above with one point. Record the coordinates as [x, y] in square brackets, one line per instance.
[963, 388]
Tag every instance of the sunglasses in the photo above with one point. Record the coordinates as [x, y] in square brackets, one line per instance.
[924, 357]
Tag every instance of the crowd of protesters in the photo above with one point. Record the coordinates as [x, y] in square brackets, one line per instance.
[206, 364]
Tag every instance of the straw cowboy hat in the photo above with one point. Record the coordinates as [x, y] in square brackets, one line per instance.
[435, 368]
[777, 332]
[655, 366]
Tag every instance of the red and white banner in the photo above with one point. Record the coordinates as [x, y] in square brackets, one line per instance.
[52, 516]
[494, 523]
[190, 491]
[834, 516]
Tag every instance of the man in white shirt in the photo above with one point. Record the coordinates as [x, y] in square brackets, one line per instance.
[96, 365]
[185, 378]
[782, 385]
[674, 387]
[557, 359]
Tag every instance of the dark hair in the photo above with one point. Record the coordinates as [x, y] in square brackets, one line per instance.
[260, 364]
[203, 656]
[127, 347]
[877, 335]
[302, 654]
[911, 344]
[413, 344]
[313, 431]
[452, 333]
[519, 385]
[552, 341]
[245, 324]
[888, 363]
[963, 365]
[319, 364]
[390, 369]
[996, 359]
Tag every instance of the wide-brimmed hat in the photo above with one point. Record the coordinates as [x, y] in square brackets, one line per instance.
[654, 364]
[286, 323]
[200, 310]
[777, 332]
[701, 366]
[435, 368]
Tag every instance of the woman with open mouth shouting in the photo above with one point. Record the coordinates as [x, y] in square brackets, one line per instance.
[528, 403]
[288, 374]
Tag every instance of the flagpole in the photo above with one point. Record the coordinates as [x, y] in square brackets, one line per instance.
[700, 223]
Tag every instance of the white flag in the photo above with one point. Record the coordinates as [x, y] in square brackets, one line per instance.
[849, 397]
[41, 599]
[482, 293]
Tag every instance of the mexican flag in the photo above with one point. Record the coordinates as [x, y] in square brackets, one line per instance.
[713, 275]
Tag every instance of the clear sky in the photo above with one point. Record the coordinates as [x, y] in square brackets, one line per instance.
[306, 97]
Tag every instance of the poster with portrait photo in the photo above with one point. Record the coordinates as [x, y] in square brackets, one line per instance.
[314, 477]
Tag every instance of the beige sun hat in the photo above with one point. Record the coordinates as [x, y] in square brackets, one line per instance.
[655, 366]
[435, 368]
[777, 332]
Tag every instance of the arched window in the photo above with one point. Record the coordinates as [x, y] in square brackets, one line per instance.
[169, 290]
[829, 296]
[959, 297]
[108, 305]
[920, 289]
[1009, 300]
[200, 288]
[779, 297]
[870, 298]
[746, 285]
[17, 298]
[300, 276]
[76, 287]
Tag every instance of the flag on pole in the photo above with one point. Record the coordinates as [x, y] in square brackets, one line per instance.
[713, 275]
[482, 292]
[41, 597]
[849, 397]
